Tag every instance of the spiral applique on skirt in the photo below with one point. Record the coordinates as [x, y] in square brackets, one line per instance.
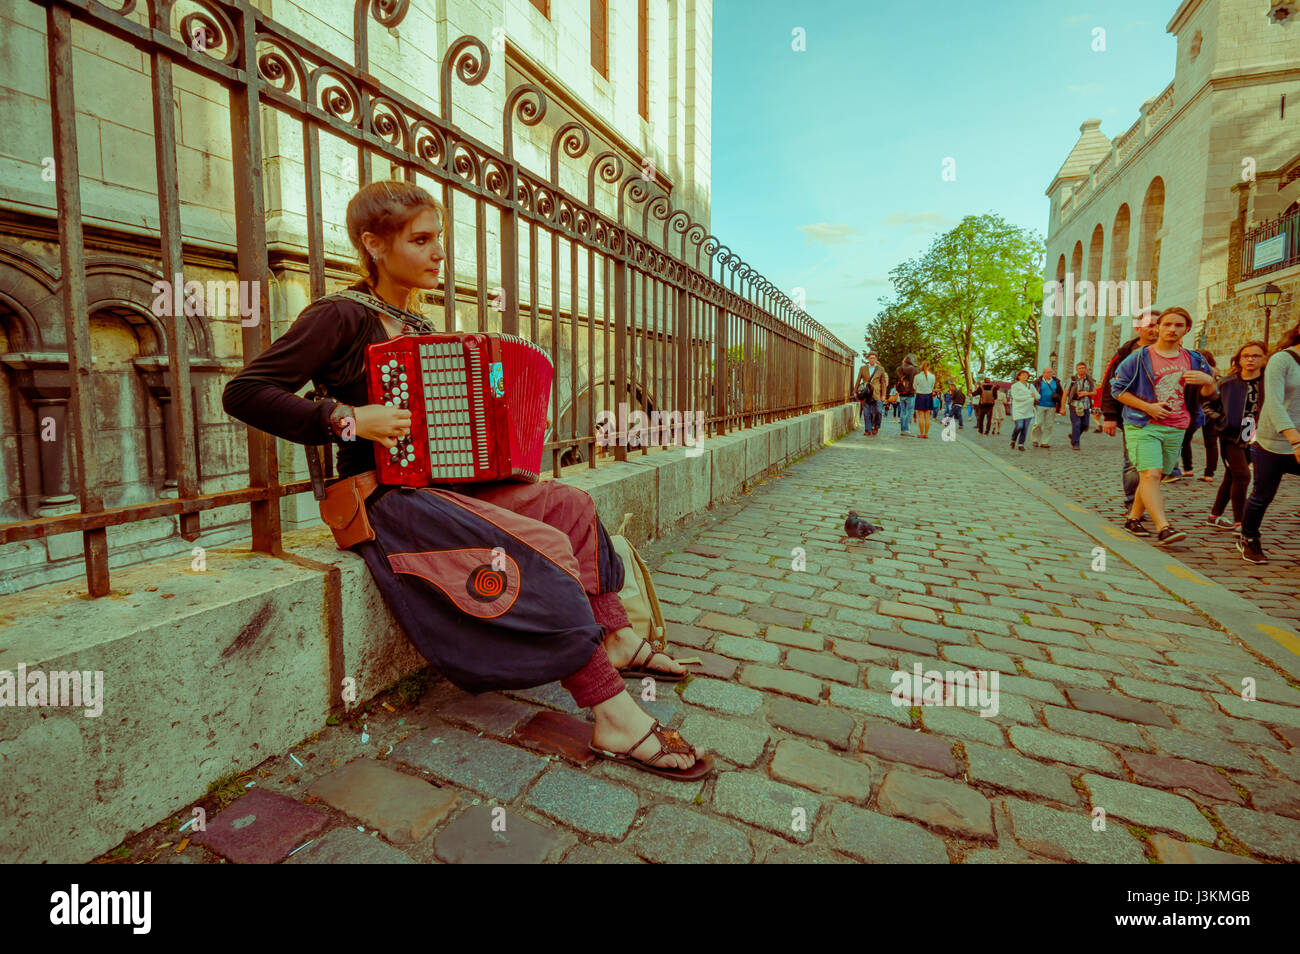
[481, 582]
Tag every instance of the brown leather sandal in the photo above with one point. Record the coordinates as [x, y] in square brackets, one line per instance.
[670, 743]
[635, 670]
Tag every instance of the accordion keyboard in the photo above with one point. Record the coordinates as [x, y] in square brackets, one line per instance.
[446, 408]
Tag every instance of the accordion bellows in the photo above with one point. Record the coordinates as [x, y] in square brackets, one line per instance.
[479, 404]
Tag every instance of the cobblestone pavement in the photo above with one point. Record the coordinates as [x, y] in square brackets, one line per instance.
[1091, 476]
[1120, 735]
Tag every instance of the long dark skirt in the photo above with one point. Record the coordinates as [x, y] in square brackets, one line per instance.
[491, 581]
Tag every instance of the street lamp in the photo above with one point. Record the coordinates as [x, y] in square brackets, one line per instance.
[1267, 298]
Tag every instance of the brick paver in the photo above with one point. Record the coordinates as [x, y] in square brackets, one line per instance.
[1111, 694]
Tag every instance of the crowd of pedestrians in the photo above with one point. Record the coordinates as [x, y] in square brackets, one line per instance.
[1156, 395]
[1247, 417]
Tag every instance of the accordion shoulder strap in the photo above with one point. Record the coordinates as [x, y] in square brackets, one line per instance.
[409, 319]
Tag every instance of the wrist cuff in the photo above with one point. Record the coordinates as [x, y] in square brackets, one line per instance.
[608, 611]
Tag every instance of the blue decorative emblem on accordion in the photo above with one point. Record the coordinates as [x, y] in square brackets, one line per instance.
[496, 380]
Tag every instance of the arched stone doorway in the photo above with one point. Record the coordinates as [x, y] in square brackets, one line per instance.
[1151, 222]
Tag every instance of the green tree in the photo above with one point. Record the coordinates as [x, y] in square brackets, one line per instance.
[1021, 350]
[893, 334]
[970, 294]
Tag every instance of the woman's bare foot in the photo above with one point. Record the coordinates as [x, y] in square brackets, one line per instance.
[625, 648]
[620, 722]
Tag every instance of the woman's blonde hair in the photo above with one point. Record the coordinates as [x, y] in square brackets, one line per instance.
[383, 208]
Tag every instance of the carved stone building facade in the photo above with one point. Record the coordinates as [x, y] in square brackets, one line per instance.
[1169, 202]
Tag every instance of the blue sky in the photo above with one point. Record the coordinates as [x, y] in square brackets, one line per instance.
[827, 163]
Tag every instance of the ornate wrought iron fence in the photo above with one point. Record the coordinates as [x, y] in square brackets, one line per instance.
[731, 345]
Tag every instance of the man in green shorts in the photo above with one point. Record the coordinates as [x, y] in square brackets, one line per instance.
[1152, 385]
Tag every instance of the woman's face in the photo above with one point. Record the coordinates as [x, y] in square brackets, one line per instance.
[1022, 376]
[1251, 359]
[415, 255]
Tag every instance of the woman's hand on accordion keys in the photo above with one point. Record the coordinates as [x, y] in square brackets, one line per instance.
[382, 424]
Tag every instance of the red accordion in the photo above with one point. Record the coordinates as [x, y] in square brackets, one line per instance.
[478, 406]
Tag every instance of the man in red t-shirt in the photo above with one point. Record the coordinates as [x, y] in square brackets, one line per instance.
[1151, 382]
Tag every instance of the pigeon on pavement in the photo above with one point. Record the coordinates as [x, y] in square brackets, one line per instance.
[855, 526]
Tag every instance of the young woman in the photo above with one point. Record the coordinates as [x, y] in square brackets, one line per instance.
[1023, 398]
[924, 385]
[499, 585]
[1243, 394]
[1277, 440]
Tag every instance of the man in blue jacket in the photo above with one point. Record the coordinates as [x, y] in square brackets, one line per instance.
[1150, 384]
[1051, 402]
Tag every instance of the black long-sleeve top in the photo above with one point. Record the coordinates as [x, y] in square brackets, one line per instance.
[326, 345]
[1110, 406]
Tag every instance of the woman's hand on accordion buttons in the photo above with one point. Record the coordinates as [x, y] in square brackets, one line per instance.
[382, 424]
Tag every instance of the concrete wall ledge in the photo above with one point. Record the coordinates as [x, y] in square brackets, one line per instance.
[207, 672]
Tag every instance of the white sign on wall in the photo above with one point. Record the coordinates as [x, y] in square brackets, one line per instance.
[1269, 252]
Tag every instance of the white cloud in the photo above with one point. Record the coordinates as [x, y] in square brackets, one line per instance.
[918, 220]
[824, 233]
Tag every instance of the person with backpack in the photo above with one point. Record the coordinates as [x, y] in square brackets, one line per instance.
[1243, 396]
[906, 394]
[986, 399]
[1079, 398]
[1152, 383]
[1049, 402]
[1277, 440]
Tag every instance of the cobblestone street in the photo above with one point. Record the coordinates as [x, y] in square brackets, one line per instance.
[1121, 733]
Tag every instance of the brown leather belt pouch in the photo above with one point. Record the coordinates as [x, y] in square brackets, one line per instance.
[344, 509]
